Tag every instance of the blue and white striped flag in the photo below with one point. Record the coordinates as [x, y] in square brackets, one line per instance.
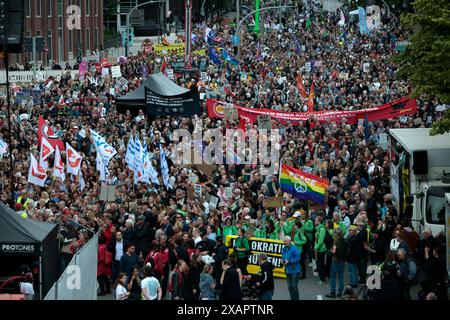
[3, 146]
[165, 170]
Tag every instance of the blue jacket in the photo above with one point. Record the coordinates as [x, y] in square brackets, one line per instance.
[292, 254]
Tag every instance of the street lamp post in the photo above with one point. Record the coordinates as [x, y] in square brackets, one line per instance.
[238, 28]
[127, 49]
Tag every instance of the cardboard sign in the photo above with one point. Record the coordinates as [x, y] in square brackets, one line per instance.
[207, 169]
[264, 122]
[273, 202]
[343, 75]
[190, 193]
[116, 72]
[108, 192]
[75, 95]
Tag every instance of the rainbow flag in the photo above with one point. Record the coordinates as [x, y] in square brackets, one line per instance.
[302, 185]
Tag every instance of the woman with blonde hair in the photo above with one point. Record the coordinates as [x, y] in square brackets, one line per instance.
[207, 284]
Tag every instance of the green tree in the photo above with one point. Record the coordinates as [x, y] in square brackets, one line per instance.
[426, 60]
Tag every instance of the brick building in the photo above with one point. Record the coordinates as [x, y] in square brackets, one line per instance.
[48, 19]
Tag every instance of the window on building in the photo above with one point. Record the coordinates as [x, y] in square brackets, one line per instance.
[27, 8]
[88, 40]
[96, 39]
[88, 8]
[49, 45]
[38, 8]
[49, 8]
[39, 52]
[60, 44]
[60, 5]
[70, 41]
[96, 8]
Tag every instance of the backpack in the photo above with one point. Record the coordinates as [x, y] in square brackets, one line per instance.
[342, 250]
[328, 240]
[170, 287]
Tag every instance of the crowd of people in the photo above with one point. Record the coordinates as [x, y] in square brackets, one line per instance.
[156, 242]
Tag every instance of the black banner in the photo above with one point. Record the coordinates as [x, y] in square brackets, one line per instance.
[19, 248]
[186, 104]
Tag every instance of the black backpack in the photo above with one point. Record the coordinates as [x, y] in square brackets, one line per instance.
[342, 250]
[328, 241]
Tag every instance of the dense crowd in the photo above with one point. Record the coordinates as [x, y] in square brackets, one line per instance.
[155, 240]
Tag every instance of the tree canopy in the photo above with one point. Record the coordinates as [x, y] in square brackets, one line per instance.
[426, 60]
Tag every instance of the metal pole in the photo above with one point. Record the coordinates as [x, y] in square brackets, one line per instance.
[34, 54]
[8, 104]
[127, 42]
[40, 275]
[237, 23]
[187, 32]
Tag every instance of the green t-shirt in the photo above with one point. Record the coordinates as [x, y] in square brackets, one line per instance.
[242, 243]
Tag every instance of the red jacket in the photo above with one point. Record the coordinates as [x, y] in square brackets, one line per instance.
[104, 261]
[160, 258]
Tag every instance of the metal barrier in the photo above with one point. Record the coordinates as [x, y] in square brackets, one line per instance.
[79, 279]
[29, 76]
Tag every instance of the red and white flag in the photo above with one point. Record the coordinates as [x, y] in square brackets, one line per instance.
[44, 130]
[73, 160]
[46, 150]
[36, 174]
[58, 169]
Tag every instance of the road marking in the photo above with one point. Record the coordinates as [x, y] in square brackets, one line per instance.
[314, 267]
[319, 297]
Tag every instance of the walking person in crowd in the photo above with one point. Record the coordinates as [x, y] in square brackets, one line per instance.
[291, 262]
[151, 288]
[266, 282]
[320, 249]
[340, 255]
[230, 284]
[207, 284]
[177, 284]
[103, 267]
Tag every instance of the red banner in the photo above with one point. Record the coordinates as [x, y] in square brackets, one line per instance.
[394, 109]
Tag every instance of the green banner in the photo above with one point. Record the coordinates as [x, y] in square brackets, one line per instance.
[257, 26]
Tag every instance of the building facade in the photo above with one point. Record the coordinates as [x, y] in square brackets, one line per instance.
[54, 20]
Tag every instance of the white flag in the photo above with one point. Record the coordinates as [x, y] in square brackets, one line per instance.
[100, 166]
[3, 147]
[58, 168]
[73, 160]
[165, 170]
[46, 150]
[36, 174]
[132, 152]
[106, 151]
[81, 180]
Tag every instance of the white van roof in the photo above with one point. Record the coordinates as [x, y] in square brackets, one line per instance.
[420, 139]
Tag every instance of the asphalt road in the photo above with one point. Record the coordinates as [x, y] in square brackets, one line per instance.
[309, 288]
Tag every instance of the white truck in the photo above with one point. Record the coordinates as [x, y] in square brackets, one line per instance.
[420, 173]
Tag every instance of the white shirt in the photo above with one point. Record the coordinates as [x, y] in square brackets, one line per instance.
[121, 292]
[119, 250]
[26, 288]
[197, 240]
[151, 284]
